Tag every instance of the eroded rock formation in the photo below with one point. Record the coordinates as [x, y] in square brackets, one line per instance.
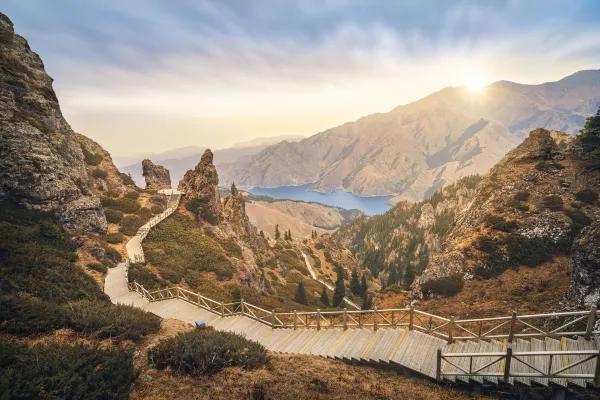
[157, 177]
[41, 162]
[202, 183]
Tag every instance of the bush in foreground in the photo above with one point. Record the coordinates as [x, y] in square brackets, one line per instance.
[206, 352]
[64, 372]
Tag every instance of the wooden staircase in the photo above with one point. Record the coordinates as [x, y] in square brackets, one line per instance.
[554, 349]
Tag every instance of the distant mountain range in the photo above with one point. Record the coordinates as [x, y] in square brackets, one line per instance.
[179, 161]
[416, 148]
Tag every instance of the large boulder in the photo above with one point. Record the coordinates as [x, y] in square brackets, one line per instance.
[42, 165]
[157, 177]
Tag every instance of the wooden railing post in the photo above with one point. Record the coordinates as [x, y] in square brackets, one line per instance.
[345, 318]
[591, 322]
[451, 332]
[318, 318]
[438, 373]
[242, 305]
[199, 299]
[507, 363]
[597, 374]
[411, 318]
[513, 323]
[272, 318]
[374, 318]
[222, 309]
[295, 319]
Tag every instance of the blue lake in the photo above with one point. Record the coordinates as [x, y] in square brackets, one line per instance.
[338, 198]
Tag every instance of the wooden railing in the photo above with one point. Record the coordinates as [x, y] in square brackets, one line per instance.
[498, 364]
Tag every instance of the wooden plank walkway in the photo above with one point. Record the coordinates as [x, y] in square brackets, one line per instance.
[468, 360]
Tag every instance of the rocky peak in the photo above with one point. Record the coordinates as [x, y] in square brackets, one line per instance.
[42, 164]
[202, 182]
[157, 177]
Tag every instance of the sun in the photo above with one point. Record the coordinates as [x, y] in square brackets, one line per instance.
[474, 85]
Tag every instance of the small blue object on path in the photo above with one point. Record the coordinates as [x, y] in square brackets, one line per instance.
[200, 323]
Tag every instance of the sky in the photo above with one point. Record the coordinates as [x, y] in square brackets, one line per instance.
[145, 76]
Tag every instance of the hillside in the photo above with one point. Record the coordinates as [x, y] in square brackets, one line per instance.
[521, 237]
[416, 148]
[299, 217]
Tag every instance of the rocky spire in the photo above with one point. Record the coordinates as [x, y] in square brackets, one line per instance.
[202, 182]
[42, 165]
[157, 177]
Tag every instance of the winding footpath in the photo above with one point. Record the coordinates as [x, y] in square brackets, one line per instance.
[313, 274]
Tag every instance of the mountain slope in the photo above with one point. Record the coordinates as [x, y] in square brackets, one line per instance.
[416, 148]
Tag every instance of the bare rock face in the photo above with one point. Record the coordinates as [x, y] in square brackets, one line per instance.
[202, 182]
[585, 287]
[157, 177]
[41, 163]
[103, 174]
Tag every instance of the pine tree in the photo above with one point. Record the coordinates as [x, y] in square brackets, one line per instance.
[354, 283]
[277, 233]
[367, 301]
[325, 297]
[262, 233]
[289, 234]
[363, 285]
[409, 276]
[301, 294]
[588, 139]
[340, 290]
[234, 190]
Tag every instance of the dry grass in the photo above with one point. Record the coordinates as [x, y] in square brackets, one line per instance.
[291, 377]
[527, 291]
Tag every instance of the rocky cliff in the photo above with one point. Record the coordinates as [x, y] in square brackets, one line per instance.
[202, 183]
[42, 164]
[156, 176]
[416, 148]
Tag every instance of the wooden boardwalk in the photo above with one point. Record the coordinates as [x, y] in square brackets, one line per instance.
[557, 349]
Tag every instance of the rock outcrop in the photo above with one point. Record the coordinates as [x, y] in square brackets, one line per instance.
[103, 174]
[202, 183]
[585, 288]
[157, 177]
[42, 164]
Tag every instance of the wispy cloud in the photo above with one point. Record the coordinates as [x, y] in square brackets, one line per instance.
[217, 72]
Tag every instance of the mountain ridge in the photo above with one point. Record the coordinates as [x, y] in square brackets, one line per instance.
[389, 153]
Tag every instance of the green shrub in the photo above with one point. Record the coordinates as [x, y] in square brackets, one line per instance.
[156, 209]
[112, 193]
[113, 254]
[546, 166]
[127, 179]
[231, 248]
[105, 320]
[523, 207]
[578, 217]
[491, 220]
[522, 196]
[33, 251]
[506, 226]
[64, 372]
[319, 246]
[553, 202]
[91, 158]
[206, 352]
[446, 286]
[145, 277]
[126, 206]
[587, 196]
[114, 238]
[99, 267]
[99, 173]
[130, 224]
[144, 213]
[133, 195]
[113, 216]
[201, 209]
[25, 315]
